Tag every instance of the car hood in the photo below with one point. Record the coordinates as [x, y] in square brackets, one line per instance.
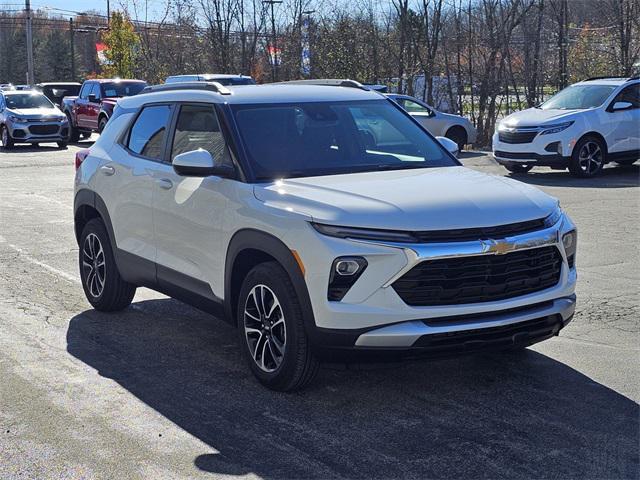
[422, 199]
[532, 117]
[36, 112]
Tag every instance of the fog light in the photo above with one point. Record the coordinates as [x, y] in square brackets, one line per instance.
[569, 242]
[345, 271]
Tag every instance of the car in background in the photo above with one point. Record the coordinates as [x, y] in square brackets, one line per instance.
[56, 91]
[454, 127]
[23, 87]
[7, 86]
[30, 117]
[582, 128]
[91, 109]
[222, 78]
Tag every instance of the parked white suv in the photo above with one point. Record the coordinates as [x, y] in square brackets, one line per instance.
[582, 127]
[323, 222]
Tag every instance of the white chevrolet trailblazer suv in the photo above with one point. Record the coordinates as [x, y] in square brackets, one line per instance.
[323, 222]
[582, 128]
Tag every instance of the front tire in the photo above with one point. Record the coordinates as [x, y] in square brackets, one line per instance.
[518, 167]
[588, 157]
[7, 141]
[271, 330]
[101, 281]
[74, 133]
[62, 145]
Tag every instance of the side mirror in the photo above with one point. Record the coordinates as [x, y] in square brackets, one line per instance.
[450, 145]
[199, 163]
[621, 106]
[92, 98]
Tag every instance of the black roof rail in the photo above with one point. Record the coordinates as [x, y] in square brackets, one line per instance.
[332, 82]
[611, 77]
[211, 86]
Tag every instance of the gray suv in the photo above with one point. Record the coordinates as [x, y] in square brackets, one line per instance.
[30, 117]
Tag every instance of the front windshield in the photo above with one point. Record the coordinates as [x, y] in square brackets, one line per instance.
[122, 89]
[27, 100]
[579, 97]
[328, 138]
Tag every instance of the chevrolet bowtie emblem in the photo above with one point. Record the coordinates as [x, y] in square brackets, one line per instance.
[498, 247]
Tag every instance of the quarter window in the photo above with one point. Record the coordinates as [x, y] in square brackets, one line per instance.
[148, 132]
[198, 127]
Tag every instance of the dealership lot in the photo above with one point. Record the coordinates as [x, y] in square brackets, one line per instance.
[160, 390]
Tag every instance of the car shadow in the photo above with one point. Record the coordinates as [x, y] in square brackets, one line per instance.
[613, 176]
[493, 415]
[29, 148]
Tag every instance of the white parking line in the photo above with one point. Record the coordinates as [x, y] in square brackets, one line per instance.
[29, 258]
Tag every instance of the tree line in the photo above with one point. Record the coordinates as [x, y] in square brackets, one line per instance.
[480, 58]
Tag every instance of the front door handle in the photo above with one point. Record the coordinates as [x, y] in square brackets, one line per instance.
[107, 170]
[165, 183]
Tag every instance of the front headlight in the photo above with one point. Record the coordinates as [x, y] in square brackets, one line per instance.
[549, 129]
[570, 243]
[16, 119]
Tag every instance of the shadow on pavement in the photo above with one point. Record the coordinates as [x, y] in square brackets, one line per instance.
[45, 147]
[613, 176]
[501, 415]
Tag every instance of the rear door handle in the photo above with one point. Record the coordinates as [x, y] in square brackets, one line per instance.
[165, 183]
[107, 170]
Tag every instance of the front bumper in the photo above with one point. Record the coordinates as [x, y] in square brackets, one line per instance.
[544, 150]
[373, 316]
[32, 132]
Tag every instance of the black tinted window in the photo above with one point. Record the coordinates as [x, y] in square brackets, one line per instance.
[147, 133]
[630, 94]
[198, 127]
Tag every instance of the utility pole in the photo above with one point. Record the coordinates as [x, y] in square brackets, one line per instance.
[30, 79]
[274, 46]
[73, 49]
[108, 14]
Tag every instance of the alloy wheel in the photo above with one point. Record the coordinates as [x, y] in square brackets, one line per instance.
[93, 265]
[590, 158]
[265, 328]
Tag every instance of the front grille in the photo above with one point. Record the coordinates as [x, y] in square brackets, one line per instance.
[481, 278]
[470, 234]
[517, 137]
[43, 129]
[527, 332]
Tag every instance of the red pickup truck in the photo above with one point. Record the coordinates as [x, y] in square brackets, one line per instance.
[91, 109]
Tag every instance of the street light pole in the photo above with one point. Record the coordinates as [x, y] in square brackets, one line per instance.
[108, 14]
[73, 50]
[30, 79]
[274, 46]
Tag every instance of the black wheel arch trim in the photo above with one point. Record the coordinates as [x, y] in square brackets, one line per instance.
[251, 239]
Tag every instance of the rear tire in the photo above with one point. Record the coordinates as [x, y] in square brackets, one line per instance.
[458, 135]
[7, 141]
[518, 167]
[102, 123]
[271, 330]
[588, 157]
[101, 281]
[62, 145]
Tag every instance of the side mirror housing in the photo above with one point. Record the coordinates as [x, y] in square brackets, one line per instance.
[92, 98]
[199, 163]
[621, 106]
[450, 145]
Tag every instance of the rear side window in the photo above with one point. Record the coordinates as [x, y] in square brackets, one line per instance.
[147, 134]
[198, 127]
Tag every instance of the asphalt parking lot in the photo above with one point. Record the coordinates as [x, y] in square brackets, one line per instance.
[160, 390]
